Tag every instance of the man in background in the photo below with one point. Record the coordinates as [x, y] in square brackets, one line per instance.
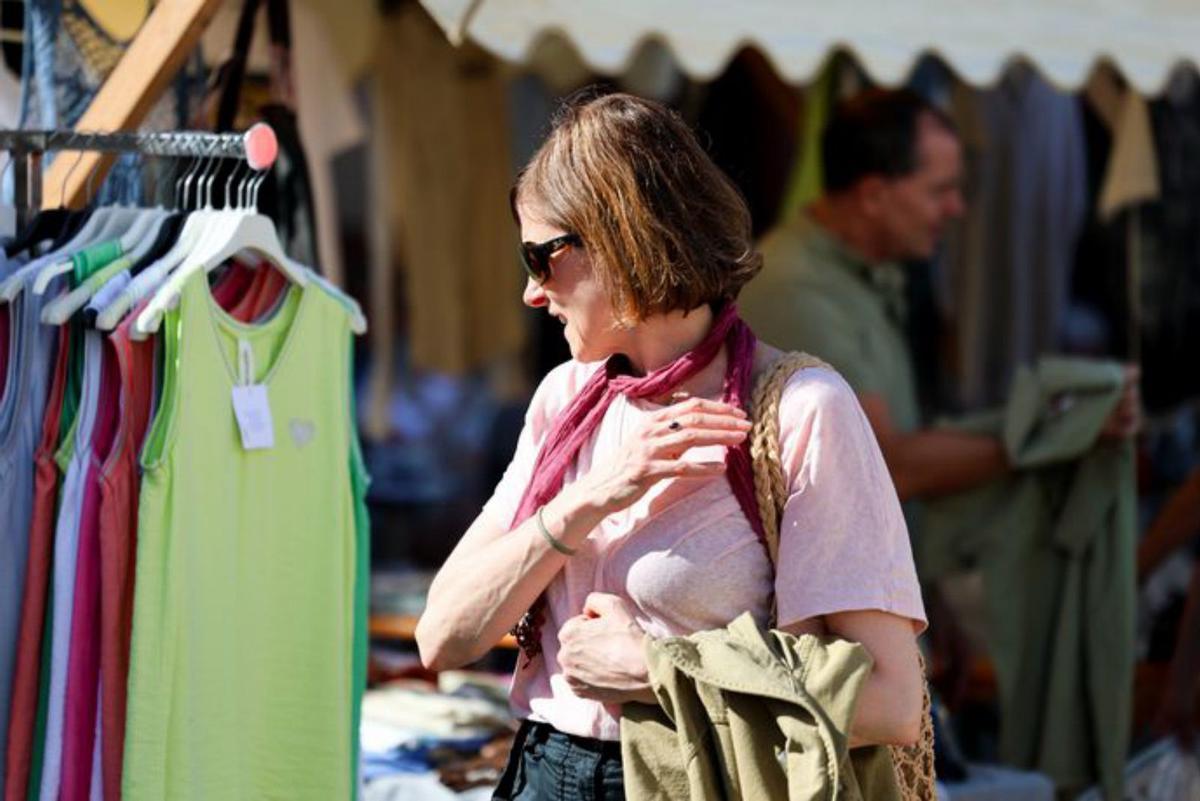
[833, 285]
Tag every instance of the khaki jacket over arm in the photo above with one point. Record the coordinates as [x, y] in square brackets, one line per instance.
[746, 714]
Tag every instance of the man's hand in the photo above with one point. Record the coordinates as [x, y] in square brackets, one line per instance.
[1126, 419]
[600, 652]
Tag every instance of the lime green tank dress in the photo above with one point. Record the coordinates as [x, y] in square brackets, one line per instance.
[241, 677]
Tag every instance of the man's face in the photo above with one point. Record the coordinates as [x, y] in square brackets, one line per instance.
[913, 211]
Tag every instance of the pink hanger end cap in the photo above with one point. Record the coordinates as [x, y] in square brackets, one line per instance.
[261, 146]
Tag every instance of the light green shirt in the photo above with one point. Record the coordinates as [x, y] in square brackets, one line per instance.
[815, 295]
[244, 627]
[1055, 541]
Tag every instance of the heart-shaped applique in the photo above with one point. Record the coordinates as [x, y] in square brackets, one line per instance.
[302, 431]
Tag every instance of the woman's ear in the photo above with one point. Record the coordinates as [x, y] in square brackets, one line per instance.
[624, 313]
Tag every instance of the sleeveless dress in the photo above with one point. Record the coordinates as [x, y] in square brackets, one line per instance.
[240, 674]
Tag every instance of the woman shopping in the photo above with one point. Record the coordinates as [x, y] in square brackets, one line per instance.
[628, 513]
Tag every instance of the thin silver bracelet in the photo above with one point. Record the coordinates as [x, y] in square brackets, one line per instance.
[555, 543]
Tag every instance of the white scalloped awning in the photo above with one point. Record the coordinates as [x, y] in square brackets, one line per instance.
[1145, 39]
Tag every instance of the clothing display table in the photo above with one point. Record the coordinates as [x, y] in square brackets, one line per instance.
[404, 627]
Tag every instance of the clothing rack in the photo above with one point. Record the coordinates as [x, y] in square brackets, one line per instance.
[257, 146]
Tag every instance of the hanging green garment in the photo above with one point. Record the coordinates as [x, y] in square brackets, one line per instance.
[807, 181]
[96, 279]
[1055, 542]
[84, 265]
[361, 481]
[362, 585]
[244, 624]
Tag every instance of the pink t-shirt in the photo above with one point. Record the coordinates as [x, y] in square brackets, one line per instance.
[685, 554]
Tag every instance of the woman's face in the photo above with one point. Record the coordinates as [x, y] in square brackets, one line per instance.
[571, 293]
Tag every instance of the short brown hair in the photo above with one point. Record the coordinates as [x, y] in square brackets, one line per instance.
[665, 228]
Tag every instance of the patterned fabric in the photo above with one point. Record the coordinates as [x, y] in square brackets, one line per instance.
[68, 57]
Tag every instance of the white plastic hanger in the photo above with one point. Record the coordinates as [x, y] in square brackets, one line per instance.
[141, 232]
[90, 233]
[62, 308]
[110, 223]
[139, 247]
[15, 283]
[128, 225]
[189, 236]
[136, 227]
[59, 310]
[12, 286]
[358, 322]
[8, 213]
[238, 231]
[195, 229]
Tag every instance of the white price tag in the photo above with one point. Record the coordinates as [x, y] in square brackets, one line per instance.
[253, 413]
[250, 404]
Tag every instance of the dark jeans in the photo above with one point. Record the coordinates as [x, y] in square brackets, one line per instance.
[547, 765]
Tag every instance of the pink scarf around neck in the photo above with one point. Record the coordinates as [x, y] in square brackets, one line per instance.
[576, 423]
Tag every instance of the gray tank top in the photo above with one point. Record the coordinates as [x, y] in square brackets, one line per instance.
[31, 353]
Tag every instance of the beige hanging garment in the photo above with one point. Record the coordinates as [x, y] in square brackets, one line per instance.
[441, 130]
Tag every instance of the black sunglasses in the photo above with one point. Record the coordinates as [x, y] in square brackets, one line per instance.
[536, 255]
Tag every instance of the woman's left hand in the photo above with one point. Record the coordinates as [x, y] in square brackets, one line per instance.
[600, 652]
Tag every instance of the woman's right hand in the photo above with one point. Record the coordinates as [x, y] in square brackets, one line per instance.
[494, 574]
[655, 452]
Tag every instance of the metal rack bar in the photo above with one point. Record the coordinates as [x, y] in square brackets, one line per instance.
[27, 148]
[171, 143]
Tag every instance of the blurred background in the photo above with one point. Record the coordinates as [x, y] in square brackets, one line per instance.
[402, 125]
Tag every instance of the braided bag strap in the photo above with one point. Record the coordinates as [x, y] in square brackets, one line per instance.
[913, 764]
[770, 484]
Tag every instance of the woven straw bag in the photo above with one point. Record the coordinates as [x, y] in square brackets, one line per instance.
[913, 764]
